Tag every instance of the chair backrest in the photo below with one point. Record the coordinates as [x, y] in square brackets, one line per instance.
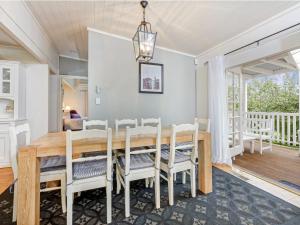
[203, 123]
[146, 131]
[14, 132]
[95, 123]
[255, 126]
[150, 122]
[183, 128]
[85, 135]
[125, 123]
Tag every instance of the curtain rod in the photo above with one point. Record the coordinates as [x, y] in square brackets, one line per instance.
[257, 41]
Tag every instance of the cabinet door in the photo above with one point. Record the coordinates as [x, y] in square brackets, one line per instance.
[4, 149]
[6, 80]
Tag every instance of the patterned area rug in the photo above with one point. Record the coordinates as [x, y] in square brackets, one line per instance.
[233, 202]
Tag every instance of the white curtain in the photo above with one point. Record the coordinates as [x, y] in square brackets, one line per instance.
[217, 110]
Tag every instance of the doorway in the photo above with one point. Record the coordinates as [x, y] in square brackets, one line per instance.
[74, 101]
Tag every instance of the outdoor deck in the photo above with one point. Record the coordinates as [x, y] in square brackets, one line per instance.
[282, 164]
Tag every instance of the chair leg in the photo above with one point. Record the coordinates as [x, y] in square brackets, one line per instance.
[184, 177]
[147, 182]
[252, 146]
[127, 197]
[118, 181]
[63, 193]
[171, 188]
[261, 146]
[157, 188]
[108, 201]
[193, 181]
[69, 206]
[151, 182]
[14, 218]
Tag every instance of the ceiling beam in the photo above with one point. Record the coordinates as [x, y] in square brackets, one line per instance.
[17, 21]
[281, 64]
[258, 70]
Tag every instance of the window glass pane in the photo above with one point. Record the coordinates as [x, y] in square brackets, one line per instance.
[6, 73]
[6, 87]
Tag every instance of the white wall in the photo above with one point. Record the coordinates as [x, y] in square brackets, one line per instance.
[74, 67]
[37, 99]
[113, 68]
[202, 91]
[54, 101]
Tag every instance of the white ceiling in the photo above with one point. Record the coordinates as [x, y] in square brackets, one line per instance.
[187, 26]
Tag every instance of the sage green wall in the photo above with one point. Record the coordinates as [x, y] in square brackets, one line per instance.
[112, 67]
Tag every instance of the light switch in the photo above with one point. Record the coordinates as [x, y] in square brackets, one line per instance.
[97, 100]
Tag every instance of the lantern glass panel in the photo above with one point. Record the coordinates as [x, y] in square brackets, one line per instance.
[136, 45]
[146, 43]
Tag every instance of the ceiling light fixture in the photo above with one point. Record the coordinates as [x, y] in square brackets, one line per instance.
[144, 39]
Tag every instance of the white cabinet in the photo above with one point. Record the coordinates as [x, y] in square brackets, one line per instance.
[4, 149]
[12, 103]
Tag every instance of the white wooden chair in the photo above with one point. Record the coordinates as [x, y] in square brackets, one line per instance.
[52, 168]
[258, 129]
[94, 124]
[138, 164]
[125, 123]
[85, 173]
[174, 161]
[150, 122]
[91, 124]
[203, 123]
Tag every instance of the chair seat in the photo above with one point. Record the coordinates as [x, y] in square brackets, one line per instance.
[165, 146]
[87, 169]
[52, 163]
[179, 156]
[138, 161]
[92, 154]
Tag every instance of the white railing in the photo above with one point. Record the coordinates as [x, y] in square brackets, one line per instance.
[286, 125]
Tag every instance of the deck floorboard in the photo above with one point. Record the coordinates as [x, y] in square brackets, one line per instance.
[279, 164]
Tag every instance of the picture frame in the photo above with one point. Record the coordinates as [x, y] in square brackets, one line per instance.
[151, 78]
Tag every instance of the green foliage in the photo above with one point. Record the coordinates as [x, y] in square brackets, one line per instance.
[270, 96]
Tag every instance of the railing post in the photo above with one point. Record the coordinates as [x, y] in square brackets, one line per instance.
[294, 130]
[288, 129]
[282, 128]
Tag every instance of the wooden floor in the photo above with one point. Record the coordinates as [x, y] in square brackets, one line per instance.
[6, 178]
[280, 164]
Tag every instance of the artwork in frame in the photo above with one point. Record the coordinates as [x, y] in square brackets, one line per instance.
[151, 78]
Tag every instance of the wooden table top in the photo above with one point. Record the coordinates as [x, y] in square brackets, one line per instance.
[55, 143]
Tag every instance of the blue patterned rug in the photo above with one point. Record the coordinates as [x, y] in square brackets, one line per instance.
[233, 202]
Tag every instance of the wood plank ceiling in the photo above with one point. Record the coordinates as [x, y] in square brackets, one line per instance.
[187, 26]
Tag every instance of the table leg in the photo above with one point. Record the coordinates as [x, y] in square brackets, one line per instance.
[28, 211]
[205, 165]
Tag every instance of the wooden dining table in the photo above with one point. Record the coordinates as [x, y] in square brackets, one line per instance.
[53, 144]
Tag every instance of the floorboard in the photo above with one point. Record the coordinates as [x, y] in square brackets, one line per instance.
[279, 164]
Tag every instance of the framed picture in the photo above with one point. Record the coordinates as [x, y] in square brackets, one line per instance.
[151, 78]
